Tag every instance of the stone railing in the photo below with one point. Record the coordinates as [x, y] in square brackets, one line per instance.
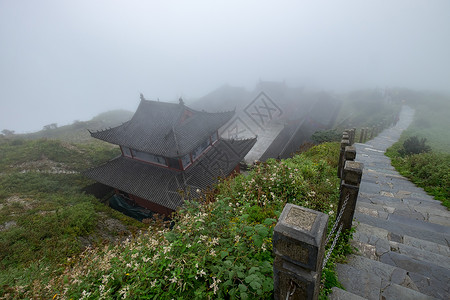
[300, 236]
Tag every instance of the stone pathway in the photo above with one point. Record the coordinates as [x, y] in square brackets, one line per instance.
[402, 234]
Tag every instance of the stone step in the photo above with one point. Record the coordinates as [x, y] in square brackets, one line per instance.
[340, 294]
[391, 200]
[419, 254]
[373, 242]
[359, 282]
[400, 276]
[435, 219]
[426, 245]
[382, 211]
[392, 291]
[409, 217]
[404, 229]
[420, 224]
[429, 278]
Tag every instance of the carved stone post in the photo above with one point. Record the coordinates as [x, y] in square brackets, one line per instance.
[349, 191]
[299, 246]
[372, 132]
[351, 134]
[344, 143]
[354, 134]
[361, 136]
[350, 153]
[366, 135]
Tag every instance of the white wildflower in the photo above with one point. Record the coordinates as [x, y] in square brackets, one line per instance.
[237, 238]
[212, 252]
[214, 285]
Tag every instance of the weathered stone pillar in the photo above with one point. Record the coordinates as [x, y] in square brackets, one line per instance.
[351, 178]
[372, 132]
[299, 246]
[361, 136]
[349, 153]
[344, 143]
[352, 136]
[366, 134]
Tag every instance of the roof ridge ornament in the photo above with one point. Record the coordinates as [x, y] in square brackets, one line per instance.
[181, 101]
[142, 97]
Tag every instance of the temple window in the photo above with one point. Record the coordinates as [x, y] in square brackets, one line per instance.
[149, 157]
[200, 149]
[186, 161]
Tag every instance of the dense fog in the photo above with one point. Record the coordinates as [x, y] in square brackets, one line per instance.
[62, 61]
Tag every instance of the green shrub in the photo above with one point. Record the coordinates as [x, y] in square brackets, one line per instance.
[323, 136]
[414, 145]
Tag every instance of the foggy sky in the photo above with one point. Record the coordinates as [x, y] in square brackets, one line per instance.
[67, 60]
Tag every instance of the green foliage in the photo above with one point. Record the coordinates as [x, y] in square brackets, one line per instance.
[50, 219]
[38, 234]
[53, 155]
[219, 247]
[77, 132]
[323, 136]
[414, 145]
[431, 171]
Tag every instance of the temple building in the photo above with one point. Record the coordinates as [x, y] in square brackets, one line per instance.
[170, 153]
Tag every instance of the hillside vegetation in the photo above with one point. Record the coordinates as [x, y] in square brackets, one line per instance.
[44, 216]
[219, 245]
[77, 131]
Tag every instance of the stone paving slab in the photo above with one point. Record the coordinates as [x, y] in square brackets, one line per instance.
[384, 199]
[404, 229]
[426, 245]
[419, 254]
[429, 278]
[395, 291]
[412, 221]
[368, 285]
[401, 212]
[340, 294]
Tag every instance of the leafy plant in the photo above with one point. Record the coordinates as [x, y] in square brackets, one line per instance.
[323, 136]
[414, 145]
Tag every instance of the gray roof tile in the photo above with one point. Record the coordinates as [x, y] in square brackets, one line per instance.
[166, 129]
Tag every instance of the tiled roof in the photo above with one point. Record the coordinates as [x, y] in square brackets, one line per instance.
[162, 186]
[166, 129]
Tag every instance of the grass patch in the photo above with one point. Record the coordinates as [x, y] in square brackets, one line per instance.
[430, 171]
[44, 217]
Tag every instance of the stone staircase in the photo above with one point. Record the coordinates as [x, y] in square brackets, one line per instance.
[402, 234]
